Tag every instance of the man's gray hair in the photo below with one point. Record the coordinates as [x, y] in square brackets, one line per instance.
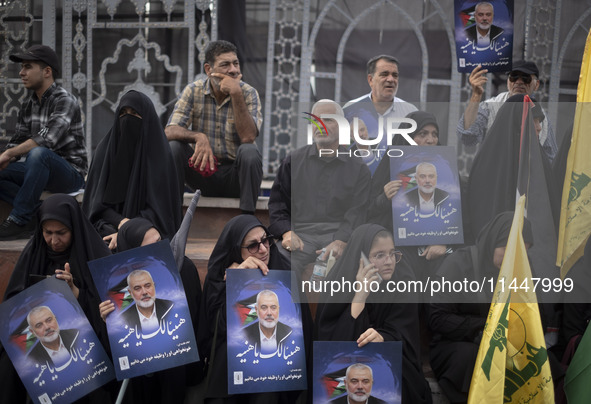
[266, 292]
[338, 108]
[358, 366]
[484, 3]
[426, 164]
[138, 272]
[36, 310]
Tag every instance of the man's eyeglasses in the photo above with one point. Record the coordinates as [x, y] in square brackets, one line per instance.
[381, 257]
[254, 247]
[526, 78]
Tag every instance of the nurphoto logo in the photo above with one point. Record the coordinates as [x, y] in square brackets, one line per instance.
[388, 127]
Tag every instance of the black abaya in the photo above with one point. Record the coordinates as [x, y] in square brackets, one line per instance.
[393, 321]
[38, 259]
[132, 173]
[213, 311]
[457, 322]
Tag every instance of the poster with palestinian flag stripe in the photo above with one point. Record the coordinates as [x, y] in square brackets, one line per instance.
[246, 310]
[51, 344]
[265, 337]
[484, 34]
[120, 296]
[427, 209]
[375, 372]
[151, 328]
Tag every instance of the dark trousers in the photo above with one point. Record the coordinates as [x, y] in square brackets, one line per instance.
[21, 183]
[240, 178]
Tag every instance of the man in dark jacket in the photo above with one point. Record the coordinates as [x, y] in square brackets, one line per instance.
[55, 346]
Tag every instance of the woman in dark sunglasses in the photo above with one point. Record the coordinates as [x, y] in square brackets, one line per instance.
[244, 243]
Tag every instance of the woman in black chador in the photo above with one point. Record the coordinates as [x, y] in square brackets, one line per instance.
[63, 243]
[244, 243]
[458, 321]
[131, 175]
[375, 317]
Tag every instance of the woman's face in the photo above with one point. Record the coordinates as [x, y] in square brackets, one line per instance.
[256, 244]
[427, 136]
[498, 256]
[57, 235]
[129, 111]
[382, 256]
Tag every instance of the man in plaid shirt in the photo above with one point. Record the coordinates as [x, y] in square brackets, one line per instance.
[48, 149]
[221, 115]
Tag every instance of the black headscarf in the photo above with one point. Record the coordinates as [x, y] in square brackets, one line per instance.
[561, 159]
[225, 253]
[131, 234]
[422, 119]
[346, 269]
[476, 262]
[227, 249]
[380, 208]
[132, 172]
[493, 177]
[38, 259]
[496, 234]
[347, 266]
[394, 321]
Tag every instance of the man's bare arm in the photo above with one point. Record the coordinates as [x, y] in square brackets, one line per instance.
[176, 132]
[245, 125]
[477, 80]
[203, 153]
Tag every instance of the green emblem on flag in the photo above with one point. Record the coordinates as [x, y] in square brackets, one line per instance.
[515, 378]
[498, 340]
[577, 183]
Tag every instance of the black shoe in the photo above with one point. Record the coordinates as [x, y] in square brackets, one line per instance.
[10, 230]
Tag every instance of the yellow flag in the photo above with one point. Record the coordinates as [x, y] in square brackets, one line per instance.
[575, 208]
[512, 363]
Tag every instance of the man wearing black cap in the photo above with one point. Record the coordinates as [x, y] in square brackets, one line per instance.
[48, 149]
[479, 116]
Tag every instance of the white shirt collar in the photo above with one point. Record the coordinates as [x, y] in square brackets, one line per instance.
[59, 356]
[482, 40]
[148, 324]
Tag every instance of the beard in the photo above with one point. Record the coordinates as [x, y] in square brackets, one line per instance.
[426, 190]
[323, 140]
[52, 337]
[357, 398]
[484, 27]
[269, 323]
[146, 304]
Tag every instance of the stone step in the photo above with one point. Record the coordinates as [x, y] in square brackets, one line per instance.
[198, 250]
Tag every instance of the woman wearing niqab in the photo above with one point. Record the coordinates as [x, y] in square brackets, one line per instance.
[132, 172]
[383, 317]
